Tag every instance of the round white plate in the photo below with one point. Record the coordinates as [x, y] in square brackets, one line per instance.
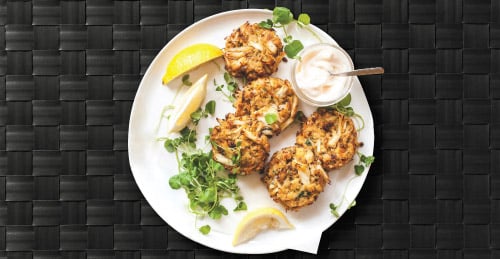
[152, 165]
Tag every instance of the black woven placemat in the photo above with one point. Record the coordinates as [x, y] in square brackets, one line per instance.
[69, 71]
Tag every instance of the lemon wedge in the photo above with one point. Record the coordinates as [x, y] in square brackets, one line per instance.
[188, 104]
[258, 220]
[189, 58]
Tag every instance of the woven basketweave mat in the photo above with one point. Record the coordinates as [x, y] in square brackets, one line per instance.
[69, 71]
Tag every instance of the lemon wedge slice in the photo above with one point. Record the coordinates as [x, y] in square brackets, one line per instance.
[189, 58]
[188, 104]
[258, 220]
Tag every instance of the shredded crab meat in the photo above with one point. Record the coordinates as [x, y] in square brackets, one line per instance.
[294, 177]
[332, 136]
[252, 52]
[238, 144]
[268, 95]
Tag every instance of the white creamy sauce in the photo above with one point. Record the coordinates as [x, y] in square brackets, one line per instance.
[312, 73]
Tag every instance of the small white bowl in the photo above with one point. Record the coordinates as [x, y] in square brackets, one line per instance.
[347, 84]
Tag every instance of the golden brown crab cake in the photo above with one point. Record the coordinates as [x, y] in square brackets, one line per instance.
[331, 135]
[252, 52]
[294, 177]
[271, 97]
[239, 145]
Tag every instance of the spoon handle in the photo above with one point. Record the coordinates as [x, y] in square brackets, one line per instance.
[362, 72]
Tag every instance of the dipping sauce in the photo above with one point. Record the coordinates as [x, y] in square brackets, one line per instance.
[313, 81]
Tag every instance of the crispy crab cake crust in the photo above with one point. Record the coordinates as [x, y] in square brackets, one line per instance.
[239, 137]
[268, 95]
[252, 52]
[294, 177]
[331, 135]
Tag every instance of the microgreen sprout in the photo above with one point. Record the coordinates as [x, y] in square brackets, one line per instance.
[231, 86]
[186, 141]
[333, 210]
[205, 184]
[282, 16]
[205, 229]
[197, 115]
[364, 161]
[344, 108]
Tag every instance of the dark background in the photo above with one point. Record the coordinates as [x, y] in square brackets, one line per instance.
[69, 72]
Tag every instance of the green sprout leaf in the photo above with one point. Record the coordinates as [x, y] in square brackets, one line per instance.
[217, 212]
[196, 115]
[358, 169]
[205, 229]
[346, 101]
[241, 206]
[267, 24]
[367, 160]
[210, 107]
[175, 182]
[304, 19]
[282, 15]
[185, 80]
[293, 48]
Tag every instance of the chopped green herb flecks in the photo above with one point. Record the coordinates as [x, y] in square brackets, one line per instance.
[271, 118]
[299, 117]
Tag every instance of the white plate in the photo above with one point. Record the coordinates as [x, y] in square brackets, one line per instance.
[152, 166]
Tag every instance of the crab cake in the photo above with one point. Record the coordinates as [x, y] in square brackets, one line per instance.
[331, 135]
[238, 144]
[268, 96]
[252, 52]
[294, 177]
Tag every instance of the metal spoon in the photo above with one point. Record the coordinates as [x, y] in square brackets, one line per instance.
[361, 72]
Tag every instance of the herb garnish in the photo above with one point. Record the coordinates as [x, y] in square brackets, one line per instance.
[185, 80]
[232, 86]
[186, 141]
[203, 113]
[282, 16]
[271, 118]
[300, 117]
[333, 210]
[344, 108]
[205, 229]
[205, 184]
[364, 161]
